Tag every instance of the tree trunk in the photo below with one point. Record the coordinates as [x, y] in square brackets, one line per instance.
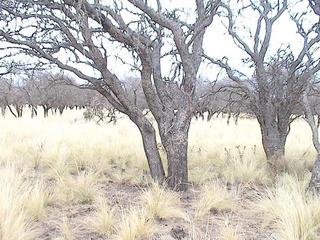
[151, 150]
[33, 111]
[61, 109]
[12, 112]
[3, 110]
[19, 110]
[175, 142]
[314, 184]
[45, 111]
[273, 142]
[274, 126]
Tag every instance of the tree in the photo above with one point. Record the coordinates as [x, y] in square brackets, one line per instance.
[150, 33]
[273, 91]
[315, 5]
[11, 97]
[314, 184]
[309, 113]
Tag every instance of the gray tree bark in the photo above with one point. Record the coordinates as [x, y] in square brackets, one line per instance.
[176, 146]
[3, 110]
[273, 140]
[148, 135]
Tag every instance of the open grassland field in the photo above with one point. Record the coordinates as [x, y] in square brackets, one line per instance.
[66, 178]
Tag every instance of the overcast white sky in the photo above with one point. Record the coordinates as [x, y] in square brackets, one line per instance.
[219, 44]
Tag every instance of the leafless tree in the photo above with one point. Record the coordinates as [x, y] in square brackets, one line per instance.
[150, 33]
[274, 90]
[11, 97]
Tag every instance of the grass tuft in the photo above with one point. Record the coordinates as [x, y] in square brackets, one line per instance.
[294, 214]
[213, 198]
[135, 225]
[103, 219]
[162, 203]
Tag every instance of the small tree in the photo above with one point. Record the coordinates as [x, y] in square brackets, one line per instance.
[151, 34]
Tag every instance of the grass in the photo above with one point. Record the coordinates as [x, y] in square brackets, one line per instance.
[103, 219]
[228, 232]
[15, 223]
[162, 203]
[294, 214]
[62, 172]
[213, 198]
[81, 188]
[65, 230]
[38, 199]
[136, 224]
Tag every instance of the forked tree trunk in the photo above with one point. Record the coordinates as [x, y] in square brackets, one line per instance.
[45, 111]
[19, 110]
[175, 141]
[33, 111]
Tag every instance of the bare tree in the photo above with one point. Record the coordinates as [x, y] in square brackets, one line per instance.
[11, 97]
[274, 90]
[83, 29]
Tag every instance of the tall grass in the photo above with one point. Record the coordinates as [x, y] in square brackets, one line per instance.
[15, 222]
[294, 214]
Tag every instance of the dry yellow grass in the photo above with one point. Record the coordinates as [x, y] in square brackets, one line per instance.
[77, 161]
[162, 203]
[135, 224]
[65, 230]
[103, 219]
[213, 198]
[38, 199]
[228, 232]
[81, 188]
[15, 223]
[294, 214]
